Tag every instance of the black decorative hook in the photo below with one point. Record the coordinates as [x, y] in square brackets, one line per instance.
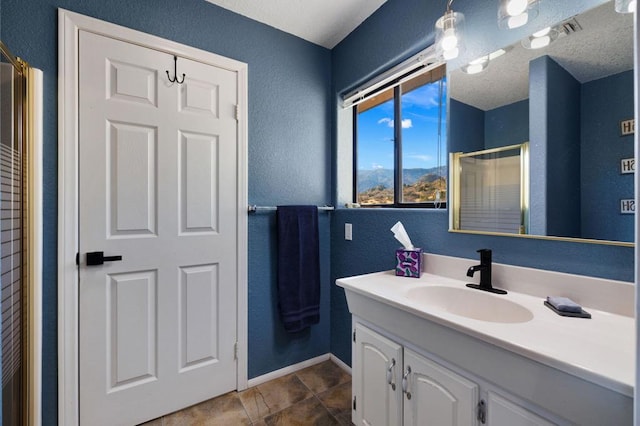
[175, 72]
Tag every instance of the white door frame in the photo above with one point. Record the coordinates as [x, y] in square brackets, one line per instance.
[69, 24]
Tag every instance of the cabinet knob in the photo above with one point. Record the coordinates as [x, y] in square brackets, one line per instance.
[482, 412]
[405, 382]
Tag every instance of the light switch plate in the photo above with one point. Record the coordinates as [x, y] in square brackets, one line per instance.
[348, 235]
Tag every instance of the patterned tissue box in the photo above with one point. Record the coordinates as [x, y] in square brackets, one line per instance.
[409, 262]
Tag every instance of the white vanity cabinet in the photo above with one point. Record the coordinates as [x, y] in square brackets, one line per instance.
[502, 411]
[376, 379]
[539, 370]
[395, 385]
[434, 395]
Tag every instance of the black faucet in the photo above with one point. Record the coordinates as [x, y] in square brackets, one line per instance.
[485, 273]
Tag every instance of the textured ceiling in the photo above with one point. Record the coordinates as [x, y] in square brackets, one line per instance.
[603, 47]
[323, 22]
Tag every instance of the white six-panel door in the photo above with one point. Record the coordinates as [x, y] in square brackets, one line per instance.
[157, 186]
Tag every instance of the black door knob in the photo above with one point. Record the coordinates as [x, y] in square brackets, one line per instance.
[98, 258]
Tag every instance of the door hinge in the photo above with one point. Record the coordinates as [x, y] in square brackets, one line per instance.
[235, 350]
[77, 259]
[482, 411]
[354, 335]
[237, 112]
[354, 403]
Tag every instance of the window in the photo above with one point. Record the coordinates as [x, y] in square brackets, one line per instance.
[400, 144]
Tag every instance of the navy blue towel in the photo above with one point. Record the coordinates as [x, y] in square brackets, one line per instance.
[298, 267]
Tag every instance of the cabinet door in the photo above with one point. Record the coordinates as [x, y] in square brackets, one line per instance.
[502, 412]
[436, 396]
[376, 362]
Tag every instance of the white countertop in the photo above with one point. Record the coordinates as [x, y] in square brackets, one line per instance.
[600, 349]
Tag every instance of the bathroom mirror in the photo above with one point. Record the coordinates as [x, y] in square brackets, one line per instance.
[572, 101]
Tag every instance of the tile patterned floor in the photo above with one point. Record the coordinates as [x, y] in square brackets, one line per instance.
[318, 395]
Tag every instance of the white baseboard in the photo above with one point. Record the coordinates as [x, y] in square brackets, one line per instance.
[340, 364]
[287, 370]
[296, 367]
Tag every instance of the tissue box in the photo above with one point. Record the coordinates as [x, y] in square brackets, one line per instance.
[409, 262]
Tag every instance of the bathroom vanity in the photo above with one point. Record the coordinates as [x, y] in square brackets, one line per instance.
[431, 351]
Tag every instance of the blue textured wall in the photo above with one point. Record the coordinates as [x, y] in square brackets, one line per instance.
[507, 125]
[270, 346]
[605, 103]
[555, 114]
[466, 127]
[538, 147]
[471, 129]
[371, 48]
[289, 145]
[563, 150]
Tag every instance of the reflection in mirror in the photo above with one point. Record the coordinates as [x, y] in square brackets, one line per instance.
[491, 188]
[569, 98]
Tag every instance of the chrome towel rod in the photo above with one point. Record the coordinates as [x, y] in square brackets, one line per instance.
[254, 208]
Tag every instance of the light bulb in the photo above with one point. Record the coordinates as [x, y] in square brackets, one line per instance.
[481, 60]
[450, 54]
[496, 54]
[516, 7]
[449, 35]
[625, 6]
[450, 39]
[540, 42]
[542, 32]
[631, 7]
[474, 68]
[517, 21]
[477, 65]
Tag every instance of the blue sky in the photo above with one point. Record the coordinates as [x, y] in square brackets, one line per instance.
[419, 134]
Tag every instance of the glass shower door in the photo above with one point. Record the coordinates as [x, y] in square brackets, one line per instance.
[491, 190]
[13, 270]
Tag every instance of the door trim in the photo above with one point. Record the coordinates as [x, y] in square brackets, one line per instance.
[69, 25]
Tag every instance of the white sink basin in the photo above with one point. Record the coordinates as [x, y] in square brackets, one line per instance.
[468, 303]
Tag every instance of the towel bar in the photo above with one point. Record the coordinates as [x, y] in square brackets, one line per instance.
[254, 208]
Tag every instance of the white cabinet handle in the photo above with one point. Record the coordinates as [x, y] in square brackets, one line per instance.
[405, 382]
[390, 374]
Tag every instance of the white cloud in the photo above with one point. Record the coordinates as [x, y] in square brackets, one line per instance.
[424, 158]
[406, 123]
[376, 166]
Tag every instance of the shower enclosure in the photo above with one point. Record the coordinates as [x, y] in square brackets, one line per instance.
[19, 247]
[491, 190]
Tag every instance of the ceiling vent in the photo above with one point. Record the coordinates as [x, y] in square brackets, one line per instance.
[569, 27]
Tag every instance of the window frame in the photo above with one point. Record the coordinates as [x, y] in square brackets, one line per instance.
[397, 152]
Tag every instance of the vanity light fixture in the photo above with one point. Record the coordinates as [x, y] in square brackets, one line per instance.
[496, 54]
[476, 66]
[625, 6]
[449, 29]
[516, 13]
[540, 39]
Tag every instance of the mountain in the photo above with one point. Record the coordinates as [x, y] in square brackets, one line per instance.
[383, 178]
